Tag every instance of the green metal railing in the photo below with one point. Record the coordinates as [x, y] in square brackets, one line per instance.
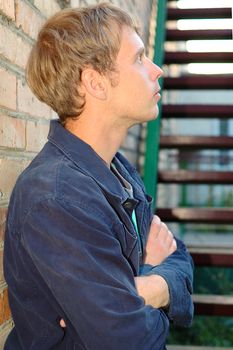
[153, 127]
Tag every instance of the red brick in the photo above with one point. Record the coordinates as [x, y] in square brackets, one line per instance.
[6, 307]
[8, 7]
[13, 47]
[3, 212]
[9, 171]
[5, 313]
[28, 19]
[48, 8]
[2, 279]
[36, 136]
[1, 310]
[7, 89]
[27, 102]
[12, 136]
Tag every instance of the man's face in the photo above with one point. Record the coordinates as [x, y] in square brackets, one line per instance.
[135, 97]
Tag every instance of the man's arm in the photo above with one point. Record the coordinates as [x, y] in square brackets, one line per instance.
[173, 264]
[154, 290]
[160, 245]
[81, 262]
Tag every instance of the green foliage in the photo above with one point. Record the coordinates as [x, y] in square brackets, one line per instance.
[212, 280]
[208, 330]
[227, 200]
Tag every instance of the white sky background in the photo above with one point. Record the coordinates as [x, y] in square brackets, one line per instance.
[204, 3]
[207, 45]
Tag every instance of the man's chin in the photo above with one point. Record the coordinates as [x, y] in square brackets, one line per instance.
[146, 118]
[154, 115]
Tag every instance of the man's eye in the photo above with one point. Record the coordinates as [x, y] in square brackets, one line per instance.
[140, 58]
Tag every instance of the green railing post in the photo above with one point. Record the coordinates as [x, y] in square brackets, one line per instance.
[153, 127]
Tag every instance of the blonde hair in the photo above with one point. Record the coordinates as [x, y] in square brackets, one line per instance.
[68, 42]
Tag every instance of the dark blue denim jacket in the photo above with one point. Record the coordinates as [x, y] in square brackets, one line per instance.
[71, 252]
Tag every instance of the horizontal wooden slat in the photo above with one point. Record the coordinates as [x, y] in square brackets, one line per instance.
[208, 242]
[213, 248]
[212, 257]
[213, 305]
[196, 142]
[213, 260]
[195, 177]
[206, 34]
[197, 111]
[197, 57]
[213, 299]
[198, 13]
[196, 215]
[200, 82]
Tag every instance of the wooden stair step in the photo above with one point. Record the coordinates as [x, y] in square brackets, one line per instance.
[197, 111]
[196, 142]
[197, 57]
[213, 305]
[195, 177]
[212, 257]
[205, 34]
[196, 215]
[198, 13]
[209, 242]
[200, 82]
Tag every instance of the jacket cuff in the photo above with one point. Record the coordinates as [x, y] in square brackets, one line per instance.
[180, 310]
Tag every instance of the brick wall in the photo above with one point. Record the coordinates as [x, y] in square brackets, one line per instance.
[24, 121]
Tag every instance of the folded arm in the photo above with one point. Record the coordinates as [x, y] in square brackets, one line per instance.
[168, 260]
[80, 260]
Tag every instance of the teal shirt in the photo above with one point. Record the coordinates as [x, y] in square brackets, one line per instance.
[129, 189]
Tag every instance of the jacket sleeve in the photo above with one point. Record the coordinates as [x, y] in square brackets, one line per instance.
[177, 270]
[76, 253]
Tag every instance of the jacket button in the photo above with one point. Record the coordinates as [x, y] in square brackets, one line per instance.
[128, 205]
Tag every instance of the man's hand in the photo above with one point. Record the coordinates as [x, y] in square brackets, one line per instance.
[160, 243]
[62, 323]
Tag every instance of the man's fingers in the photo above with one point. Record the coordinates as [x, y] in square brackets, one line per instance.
[170, 241]
[160, 243]
[156, 220]
[62, 323]
[164, 234]
[169, 238]
[173, 246]
[155, 226]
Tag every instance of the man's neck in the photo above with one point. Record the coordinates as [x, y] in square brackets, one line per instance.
[105, 139]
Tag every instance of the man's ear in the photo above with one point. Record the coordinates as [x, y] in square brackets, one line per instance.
[94, 83]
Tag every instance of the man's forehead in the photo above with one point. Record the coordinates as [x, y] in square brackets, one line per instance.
[131, 43]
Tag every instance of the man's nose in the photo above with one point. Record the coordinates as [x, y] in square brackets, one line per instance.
[156, 72]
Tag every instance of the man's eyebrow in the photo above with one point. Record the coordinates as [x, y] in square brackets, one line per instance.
[139, 52]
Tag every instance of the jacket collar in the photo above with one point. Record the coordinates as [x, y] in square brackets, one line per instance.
[88, 161]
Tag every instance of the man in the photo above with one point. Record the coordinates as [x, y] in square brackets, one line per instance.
[87, 264]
